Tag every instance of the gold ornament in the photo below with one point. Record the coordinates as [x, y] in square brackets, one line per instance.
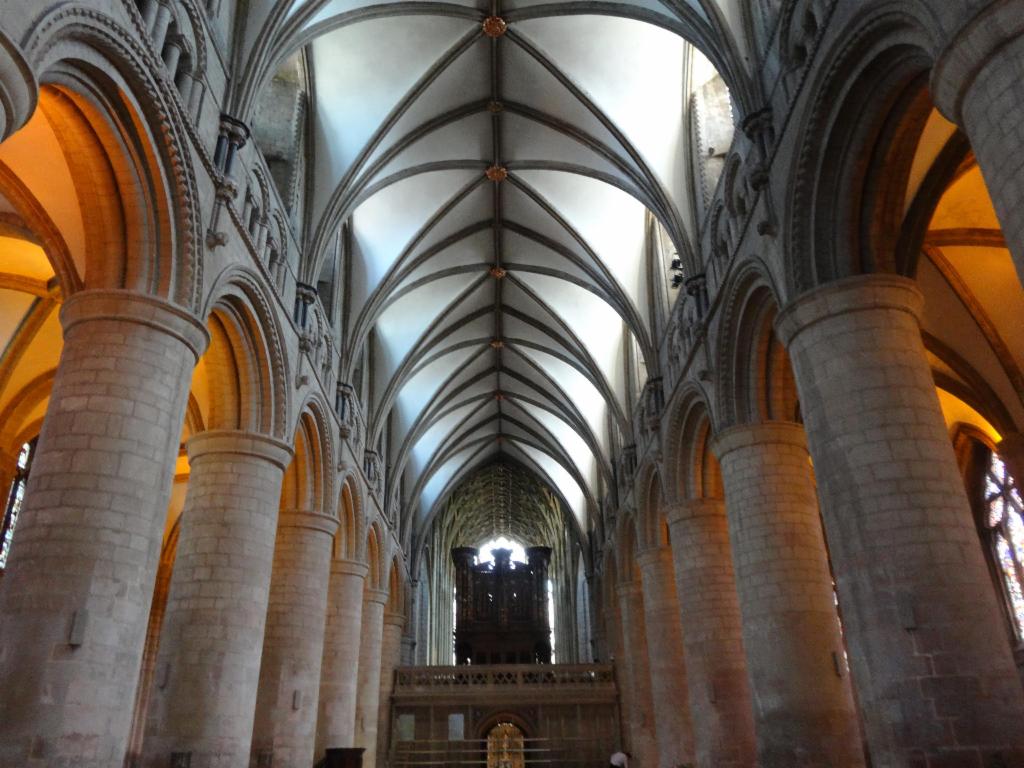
[494, 26]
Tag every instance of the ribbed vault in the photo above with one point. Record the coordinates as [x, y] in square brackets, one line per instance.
[502, 499]
[504, 183]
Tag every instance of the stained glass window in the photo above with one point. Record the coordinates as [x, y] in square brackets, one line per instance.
[1005, 520]
[15, 497]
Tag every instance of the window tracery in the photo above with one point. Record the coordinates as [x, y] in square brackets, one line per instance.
[1005, 523]
[15, 499]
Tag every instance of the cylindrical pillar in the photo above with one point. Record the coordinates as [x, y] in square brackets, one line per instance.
[208, 664]
[803, 705]
[339, 672]
[716, 667]
[368, 694]
[934, 673]
[75, 596]
[639, 713]
[667, 660]
[390, 658]
[293, 644]
[978, 82]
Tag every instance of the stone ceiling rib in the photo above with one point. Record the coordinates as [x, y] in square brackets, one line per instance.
[498, 215]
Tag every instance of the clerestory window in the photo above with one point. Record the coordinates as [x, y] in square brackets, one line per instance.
[1005, 524]
[15, 499]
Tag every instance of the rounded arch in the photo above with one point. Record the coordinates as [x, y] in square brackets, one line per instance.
[290, 34]
[756, 379]
[32, 397]
[315, 417]
[373, 550]
[652, 526]
[31, 222]
[493, 720]
[241, 380]
[18, 95]
[122, 131]
[397, 602]
[350, 505]
[308, 483]
[691, 468]
[879, 67]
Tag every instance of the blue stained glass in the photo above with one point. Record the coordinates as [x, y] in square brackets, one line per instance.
[1013, 586]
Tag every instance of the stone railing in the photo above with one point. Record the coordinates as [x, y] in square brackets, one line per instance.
[503, 677]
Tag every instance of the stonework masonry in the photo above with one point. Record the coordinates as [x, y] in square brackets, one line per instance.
[803, 707]
[978, 82]
[225, 269]
[368, 693]
[390, 658]
[339, 672]
[934, 681]
[665, 651]
[635, 673]
[293, 643]
[75, 604]
[208, 665]
[716, 671]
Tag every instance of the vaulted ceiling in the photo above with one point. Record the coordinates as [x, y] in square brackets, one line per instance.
[503, 498]
[502, 174]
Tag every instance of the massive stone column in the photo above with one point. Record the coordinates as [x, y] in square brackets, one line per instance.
[368, 693]
[293, 644]
[75, 598]
[639, 710]
[716, 668]
[390, 659]
[934, 673]
[339, 672]
[803, 706]
[666, 658]
[208, 664]
[978, 83]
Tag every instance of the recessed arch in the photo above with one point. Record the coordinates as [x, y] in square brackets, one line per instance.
[692, 470]
[879, 62]
[346, 540]
[121, 129]
[373, 556]
[652, 525]
[240, 382]
[756, 380]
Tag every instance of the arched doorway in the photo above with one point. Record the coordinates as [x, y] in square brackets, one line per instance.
[506, 746]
